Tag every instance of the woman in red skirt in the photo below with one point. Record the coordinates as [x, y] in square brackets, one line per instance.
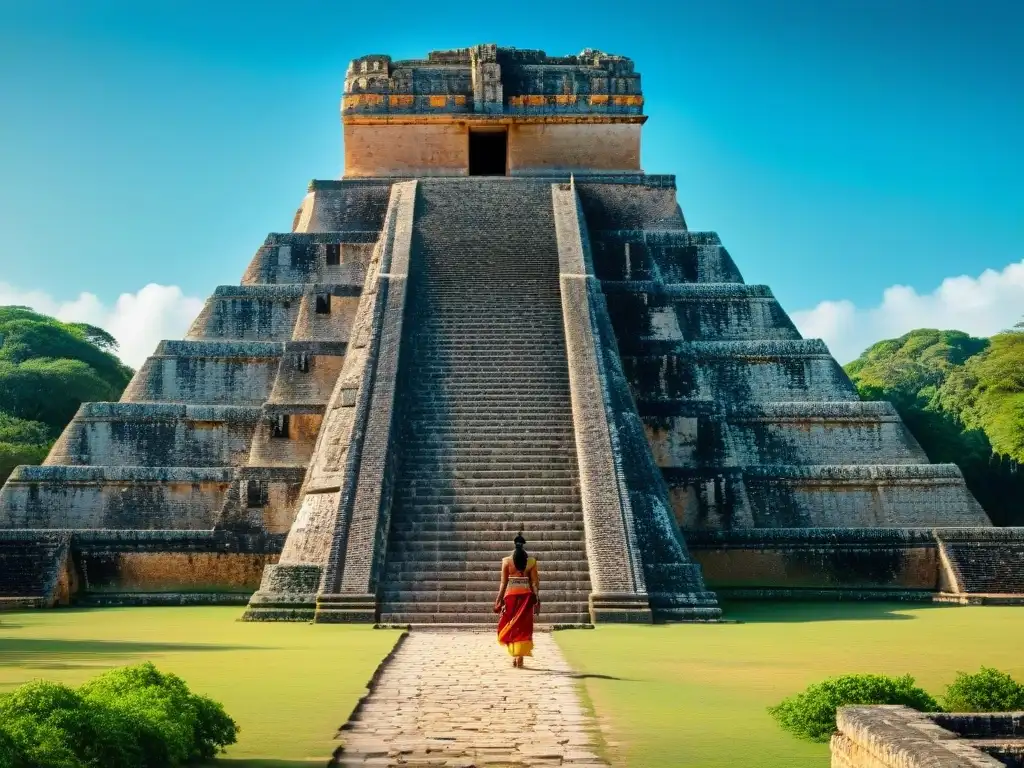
[518, 600]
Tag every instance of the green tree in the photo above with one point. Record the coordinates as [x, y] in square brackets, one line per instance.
[48, 368]
[961, 397]
[987, 393]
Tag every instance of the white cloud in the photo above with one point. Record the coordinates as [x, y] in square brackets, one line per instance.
[981, 306]
[137, 320]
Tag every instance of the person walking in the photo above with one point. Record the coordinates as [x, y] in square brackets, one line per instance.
[518, 602]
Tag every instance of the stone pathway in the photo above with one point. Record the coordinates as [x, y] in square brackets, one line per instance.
[451, 698]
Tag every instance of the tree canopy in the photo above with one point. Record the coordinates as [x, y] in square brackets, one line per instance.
[48, 368]
[963, 399]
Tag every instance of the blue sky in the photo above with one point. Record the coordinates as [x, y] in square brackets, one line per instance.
[838, 148]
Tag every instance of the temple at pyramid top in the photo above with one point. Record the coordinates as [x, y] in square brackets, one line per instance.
[490, 111]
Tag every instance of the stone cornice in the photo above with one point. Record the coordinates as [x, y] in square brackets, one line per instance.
[482, 119]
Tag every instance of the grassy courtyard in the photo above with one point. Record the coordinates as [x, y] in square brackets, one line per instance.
[696, 695]
[289, 686]
[691, 695]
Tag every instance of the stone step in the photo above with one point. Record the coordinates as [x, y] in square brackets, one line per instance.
[498, 508]
[444, 570]
[444, 465]
[438, 492]
[478, 370]
[524, 339]
[523, 513]
[507, 399]
[409, 497]
[483, 472]
[495, 440]
[438, 347]
[483, 333]
[485, 364]
[482, 401]
[534, 405]
[553, 598]
[546, 312]
[525, 484]
[493, 530]
[492, 379]
[388, 616]
[480, 553]
[413, 519]
[451, 379]
[515, 410]
[483, 611]
[448, 387]
[516, 449]
[550, 582]
[454, 467]
[504, 292]
[493, 447]
[533, 356]
[556, 424]
[484, 605]
[486, 425]
[555, 428]
[440, 535]
[475, 304]
[440, 463]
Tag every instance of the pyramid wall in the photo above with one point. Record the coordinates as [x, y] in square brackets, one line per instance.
[185, 489]
[783, 482]
[779, 480]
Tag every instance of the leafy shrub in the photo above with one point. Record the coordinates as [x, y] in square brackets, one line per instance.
[811, 715]
[11, 754]
[986, 691]
[173, 725]
[133, 717]
[56, 727]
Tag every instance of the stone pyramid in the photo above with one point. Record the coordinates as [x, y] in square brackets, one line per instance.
[494, 323]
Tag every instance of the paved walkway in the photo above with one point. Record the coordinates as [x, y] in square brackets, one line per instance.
[451, 698]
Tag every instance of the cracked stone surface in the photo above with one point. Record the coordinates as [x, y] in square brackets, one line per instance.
[452, 698]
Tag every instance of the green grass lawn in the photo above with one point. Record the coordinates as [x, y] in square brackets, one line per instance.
[289, 686]
[695, 695]
[689, 694]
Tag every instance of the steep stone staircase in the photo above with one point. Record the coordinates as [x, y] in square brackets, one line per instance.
[487, 446]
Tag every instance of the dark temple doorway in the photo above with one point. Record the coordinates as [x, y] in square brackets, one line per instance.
[487, 153]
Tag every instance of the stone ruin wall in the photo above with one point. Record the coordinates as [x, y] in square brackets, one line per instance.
[192, 467]
[416, 149]
[335, 527]
[413, 118]
[898, 737]
[771, 460]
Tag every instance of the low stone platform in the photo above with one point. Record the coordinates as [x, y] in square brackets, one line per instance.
[898, 737]
[451, 697]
